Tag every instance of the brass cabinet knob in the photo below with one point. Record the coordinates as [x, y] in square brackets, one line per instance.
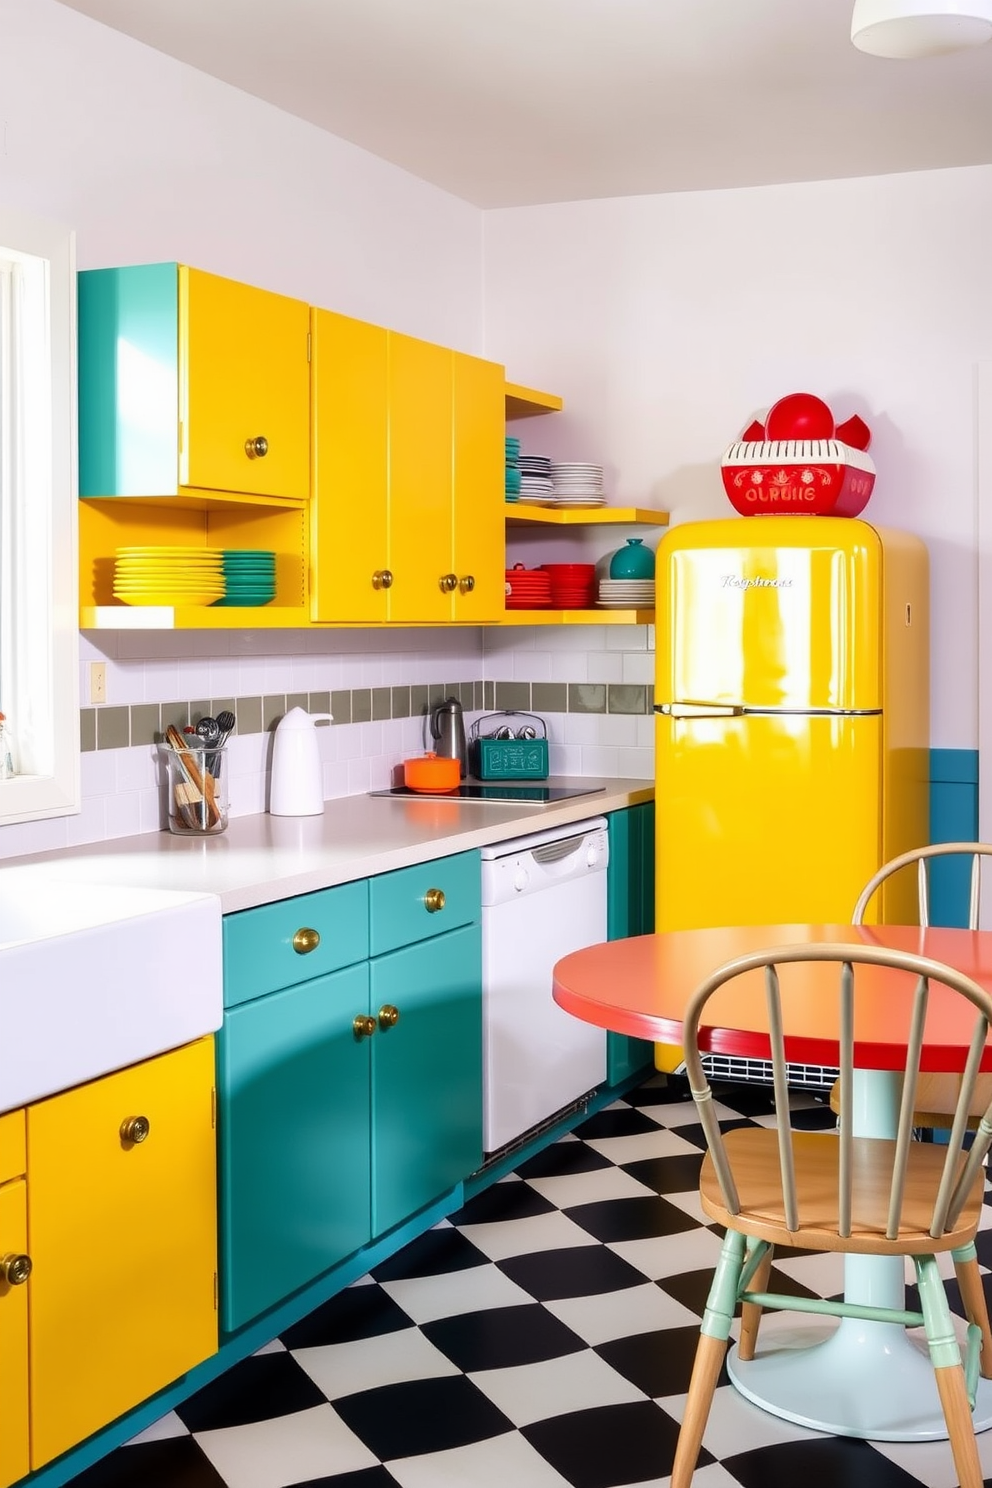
[382, 579]
[306, 940]
[256, 448]
[448, 583]
[135, 1128]
[363, 1026]
[434, 900]
[466, 583]
[389, 1016]
[15, 1269]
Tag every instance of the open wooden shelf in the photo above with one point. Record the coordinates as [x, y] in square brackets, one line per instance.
[585, 516]
[524, 402]
[578, 617]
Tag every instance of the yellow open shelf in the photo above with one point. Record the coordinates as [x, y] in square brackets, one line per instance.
[586, 516]
[578, 617]
[524, 402]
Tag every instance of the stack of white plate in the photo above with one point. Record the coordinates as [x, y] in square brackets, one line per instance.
[536, 486]
[577, 483]
[626, 594]
[168, 576]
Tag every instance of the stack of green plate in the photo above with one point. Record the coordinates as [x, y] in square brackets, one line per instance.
[249, 577]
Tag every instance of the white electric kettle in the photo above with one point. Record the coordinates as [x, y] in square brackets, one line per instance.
[296, 787]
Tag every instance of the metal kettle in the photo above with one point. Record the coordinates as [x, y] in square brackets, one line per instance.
[447, 727]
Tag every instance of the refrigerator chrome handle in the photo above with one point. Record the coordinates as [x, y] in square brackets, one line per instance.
[701, 710]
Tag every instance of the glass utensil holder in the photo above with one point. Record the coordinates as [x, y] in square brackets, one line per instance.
[198, 802]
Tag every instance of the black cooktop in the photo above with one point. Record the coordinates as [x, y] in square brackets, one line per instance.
[538, 794]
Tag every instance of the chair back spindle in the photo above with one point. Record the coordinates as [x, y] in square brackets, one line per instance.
[960, 1168]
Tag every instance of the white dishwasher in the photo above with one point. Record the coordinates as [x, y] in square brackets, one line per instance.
[543, 896]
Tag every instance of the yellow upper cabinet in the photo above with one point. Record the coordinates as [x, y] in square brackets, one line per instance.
[407, 479]
[350, 460]
[191, 383]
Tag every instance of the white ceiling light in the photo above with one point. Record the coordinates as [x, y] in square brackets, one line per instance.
[920, 28]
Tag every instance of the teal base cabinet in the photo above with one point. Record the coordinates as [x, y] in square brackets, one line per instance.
[630, 911]
[426, 1073]
[349, 1072]
[295, 1190]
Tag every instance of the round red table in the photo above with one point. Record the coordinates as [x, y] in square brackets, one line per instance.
[854, 1378]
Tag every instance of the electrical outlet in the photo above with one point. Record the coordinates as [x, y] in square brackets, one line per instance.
[98, 681]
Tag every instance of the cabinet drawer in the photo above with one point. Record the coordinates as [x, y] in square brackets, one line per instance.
[262, 952]
[414, 903]
[13, 1150]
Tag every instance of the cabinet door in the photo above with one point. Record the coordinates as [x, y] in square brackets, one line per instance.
[479, 502]
[244, 378]
[14, 1459]
[294, 1139]
[123, 1239]
[420, 480]
[426, 1072]
[349, 542]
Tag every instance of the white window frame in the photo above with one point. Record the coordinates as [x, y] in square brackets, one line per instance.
[39, 579]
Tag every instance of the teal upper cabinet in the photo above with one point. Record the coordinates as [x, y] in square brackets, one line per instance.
[189, 382]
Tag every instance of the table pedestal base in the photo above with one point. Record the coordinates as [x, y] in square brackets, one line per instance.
[871, 1380]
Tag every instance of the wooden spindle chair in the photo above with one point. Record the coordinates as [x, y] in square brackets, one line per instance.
[833, 1191]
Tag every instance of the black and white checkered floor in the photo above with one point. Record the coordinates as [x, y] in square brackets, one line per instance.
[540, 1338]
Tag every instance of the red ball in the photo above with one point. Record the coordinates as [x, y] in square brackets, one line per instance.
[799, 416]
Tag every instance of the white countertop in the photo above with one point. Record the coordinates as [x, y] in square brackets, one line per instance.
[263, 858]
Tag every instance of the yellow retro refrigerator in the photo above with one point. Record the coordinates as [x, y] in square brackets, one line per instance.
[792, 720]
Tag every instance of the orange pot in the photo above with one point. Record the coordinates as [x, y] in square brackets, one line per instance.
[432, 772]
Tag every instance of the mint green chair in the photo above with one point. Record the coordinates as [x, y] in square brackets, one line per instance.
[833, 1191]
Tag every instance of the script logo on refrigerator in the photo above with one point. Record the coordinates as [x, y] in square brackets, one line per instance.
[738, 581]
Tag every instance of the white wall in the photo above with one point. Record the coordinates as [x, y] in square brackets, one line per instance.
[668, 322]
[150, 160]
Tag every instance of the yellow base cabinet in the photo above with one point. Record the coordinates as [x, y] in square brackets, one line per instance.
[14, 1439]
[407, 459]
[123, 1243]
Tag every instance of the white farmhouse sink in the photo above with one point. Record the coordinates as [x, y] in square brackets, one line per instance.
[93, 978]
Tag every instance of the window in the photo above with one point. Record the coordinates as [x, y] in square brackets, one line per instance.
[39, 614]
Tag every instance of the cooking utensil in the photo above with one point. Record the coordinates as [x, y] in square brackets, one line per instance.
[226, 722]
[208, 729]
[432, 773]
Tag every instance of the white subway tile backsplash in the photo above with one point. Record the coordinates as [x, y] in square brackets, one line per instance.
[122, 789]
[638, 666]
[599, 760]
[604, 666]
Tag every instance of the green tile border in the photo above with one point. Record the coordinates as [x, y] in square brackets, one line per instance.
[144, 723]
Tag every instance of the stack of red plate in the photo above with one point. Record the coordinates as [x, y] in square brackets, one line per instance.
[573, 585]
[527, 588]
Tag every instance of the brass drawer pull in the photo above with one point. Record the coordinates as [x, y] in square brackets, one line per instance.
[306, 940]
[363, 1026]
[256, 448]
[382, 579]
[434, 900]
[135, 1128]
[389, 1016]
[15, 1269]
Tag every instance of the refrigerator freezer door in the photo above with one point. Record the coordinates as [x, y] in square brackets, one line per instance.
[765, 818]
[771, 612]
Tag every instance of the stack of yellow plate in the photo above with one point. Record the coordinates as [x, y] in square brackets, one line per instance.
[169, 576]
